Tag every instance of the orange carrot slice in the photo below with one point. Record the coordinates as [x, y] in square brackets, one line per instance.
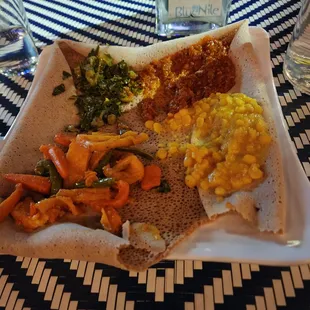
[7, 205]
[152, 176]
[33, 182]
[58, 157]
[64, 139]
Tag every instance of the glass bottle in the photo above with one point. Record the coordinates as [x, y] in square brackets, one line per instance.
[18, 54]
[296, 66]
[183, 17]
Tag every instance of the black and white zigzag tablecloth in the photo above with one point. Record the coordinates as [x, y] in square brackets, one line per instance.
[64, 284]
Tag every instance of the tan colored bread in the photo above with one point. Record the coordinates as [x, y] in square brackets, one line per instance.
[176, 214]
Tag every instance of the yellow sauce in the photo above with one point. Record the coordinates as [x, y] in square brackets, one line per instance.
[230, 142]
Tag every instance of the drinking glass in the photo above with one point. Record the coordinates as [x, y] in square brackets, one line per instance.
[296, 66]
[18, 54]
[184, 17]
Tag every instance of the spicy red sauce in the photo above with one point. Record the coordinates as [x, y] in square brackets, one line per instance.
[178, 80]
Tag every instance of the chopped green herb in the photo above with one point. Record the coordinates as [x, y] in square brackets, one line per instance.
[65, 75]
[164, 187]
[59, 90]
[103, 87]
[94, 52]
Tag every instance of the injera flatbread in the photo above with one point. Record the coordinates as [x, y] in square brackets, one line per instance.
[176, 214]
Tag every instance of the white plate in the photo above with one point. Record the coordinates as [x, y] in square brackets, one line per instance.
[230, 238]
[222, 241]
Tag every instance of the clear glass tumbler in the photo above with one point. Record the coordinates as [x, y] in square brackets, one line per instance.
[296, 66]
[18, 54]
[184, 17]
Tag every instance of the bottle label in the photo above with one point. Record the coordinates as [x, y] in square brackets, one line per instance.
[194, 8]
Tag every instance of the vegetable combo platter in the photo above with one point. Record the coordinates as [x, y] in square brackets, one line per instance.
[140, 148]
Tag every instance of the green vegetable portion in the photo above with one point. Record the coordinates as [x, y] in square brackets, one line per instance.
[164, 187]
[59, 90]
[45, 167]
[103, 162]
[105, 182]
[66, 75]
[103, 87]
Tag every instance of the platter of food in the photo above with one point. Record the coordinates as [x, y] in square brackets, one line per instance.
[178, 150]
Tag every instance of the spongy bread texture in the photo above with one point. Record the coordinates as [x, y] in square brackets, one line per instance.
[176, 214]
[42, 117]
[39, 118]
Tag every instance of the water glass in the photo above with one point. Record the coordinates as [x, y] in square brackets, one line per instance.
[18, 54]
[296, 66]
[184, 17]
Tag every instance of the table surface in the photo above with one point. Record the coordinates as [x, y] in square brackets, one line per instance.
[27, 283]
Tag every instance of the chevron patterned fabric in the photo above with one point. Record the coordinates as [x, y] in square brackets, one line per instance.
[30, 283]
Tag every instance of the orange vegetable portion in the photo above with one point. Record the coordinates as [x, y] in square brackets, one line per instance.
[44, 150]
[78, 157]
[111, 220]
[32, 209]
[24, 217]
[64, 139]
[121, 197]
[129, 169]
[82, 194]
[58, 157]
[32, 182]
[45, 205]
[95, 159]
[90, 177]
[7, 205]
[77, 165]
[32, 215]
[92, 197]
[105, 142]
[152, 176]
